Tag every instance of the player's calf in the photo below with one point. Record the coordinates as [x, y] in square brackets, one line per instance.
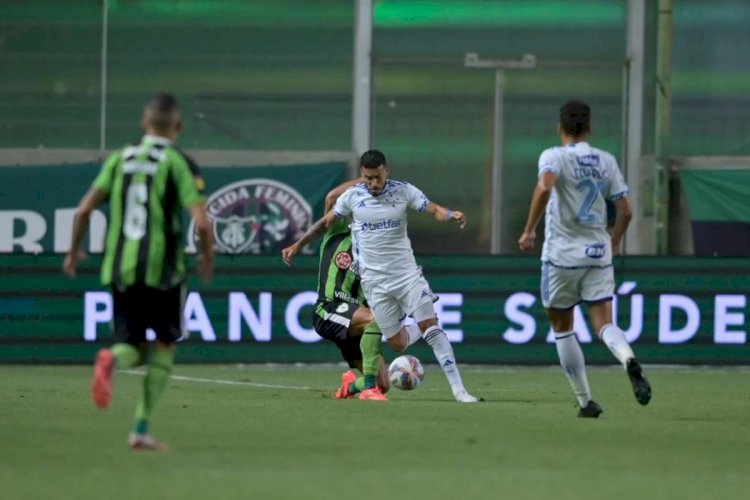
[101, 384]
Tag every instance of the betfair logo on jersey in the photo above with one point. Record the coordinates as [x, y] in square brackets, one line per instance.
[255, 216]
[383, 224]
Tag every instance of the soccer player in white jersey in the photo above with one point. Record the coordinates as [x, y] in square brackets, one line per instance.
[574, 180]
[384, 260]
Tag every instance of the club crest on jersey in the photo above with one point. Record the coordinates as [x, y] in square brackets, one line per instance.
[255, 216]
[343, 260]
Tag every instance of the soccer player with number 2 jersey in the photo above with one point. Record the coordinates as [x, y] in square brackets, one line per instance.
[574, 180]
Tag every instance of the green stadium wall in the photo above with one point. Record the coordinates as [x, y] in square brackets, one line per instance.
[255, 210]
[719, 214]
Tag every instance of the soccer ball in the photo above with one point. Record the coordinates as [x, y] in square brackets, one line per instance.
[406, 373]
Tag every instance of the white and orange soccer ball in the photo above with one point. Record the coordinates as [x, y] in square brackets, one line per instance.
[406, 373]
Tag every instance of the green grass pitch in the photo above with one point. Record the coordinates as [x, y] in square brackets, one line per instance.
[248, 440]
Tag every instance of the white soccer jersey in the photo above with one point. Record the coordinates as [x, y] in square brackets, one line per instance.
[380, 245]
[576, 219]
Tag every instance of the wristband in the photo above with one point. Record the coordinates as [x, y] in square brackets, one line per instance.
[449, 214]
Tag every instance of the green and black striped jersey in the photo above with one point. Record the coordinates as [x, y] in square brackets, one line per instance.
[336, 281]
[148, 185]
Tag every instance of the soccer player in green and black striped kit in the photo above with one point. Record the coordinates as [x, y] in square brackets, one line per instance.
[147, 186]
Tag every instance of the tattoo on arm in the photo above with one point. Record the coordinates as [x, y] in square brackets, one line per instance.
[312, 234]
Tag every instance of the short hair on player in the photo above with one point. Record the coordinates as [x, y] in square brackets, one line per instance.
[161, 111]
[372, 159]
[575, 118]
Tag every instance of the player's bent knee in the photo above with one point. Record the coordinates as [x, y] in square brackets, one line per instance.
[360, 319]
[398, 343]
[428, 323]
[425, 313]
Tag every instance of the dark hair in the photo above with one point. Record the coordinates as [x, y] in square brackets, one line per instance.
[161, 110]
[575, 118]
[372, 159]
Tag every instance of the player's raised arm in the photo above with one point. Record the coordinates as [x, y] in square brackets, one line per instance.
[539, 200]
[419, 202]
[312, 234]
[332, 214]
[443, 214]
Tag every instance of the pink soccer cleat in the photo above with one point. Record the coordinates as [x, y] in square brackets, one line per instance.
[373, 394]
[347, 378]
[101, 384]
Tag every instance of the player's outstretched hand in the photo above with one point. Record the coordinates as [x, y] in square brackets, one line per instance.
[71, 262]
[460, 218]
[288, 254]
[526, 241]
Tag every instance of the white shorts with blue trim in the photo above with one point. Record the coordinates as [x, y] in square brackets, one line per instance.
[392, 300]
[564, 288]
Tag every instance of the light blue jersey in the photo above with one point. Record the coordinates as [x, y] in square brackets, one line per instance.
[576, 218]
[381, 246]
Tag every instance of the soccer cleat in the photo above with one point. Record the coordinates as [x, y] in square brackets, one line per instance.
[101, 384]
[347, 379]
[464, 397]
[373, 394]
[591, 410]
[145, 442]
[641, 387]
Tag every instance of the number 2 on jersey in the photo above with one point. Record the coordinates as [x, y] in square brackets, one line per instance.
[592, 189]
[136, 214]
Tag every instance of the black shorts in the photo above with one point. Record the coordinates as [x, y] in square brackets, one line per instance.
[138, 307]
[335, 327]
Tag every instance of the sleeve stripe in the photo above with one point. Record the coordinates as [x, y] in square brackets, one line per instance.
[621, 194]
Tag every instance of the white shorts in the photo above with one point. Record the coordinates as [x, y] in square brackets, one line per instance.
[391, 301]
[564, 288]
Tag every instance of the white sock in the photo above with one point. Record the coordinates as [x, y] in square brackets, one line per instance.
[437, 339]
[614, 339]
[414, 332]
[574, 366]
